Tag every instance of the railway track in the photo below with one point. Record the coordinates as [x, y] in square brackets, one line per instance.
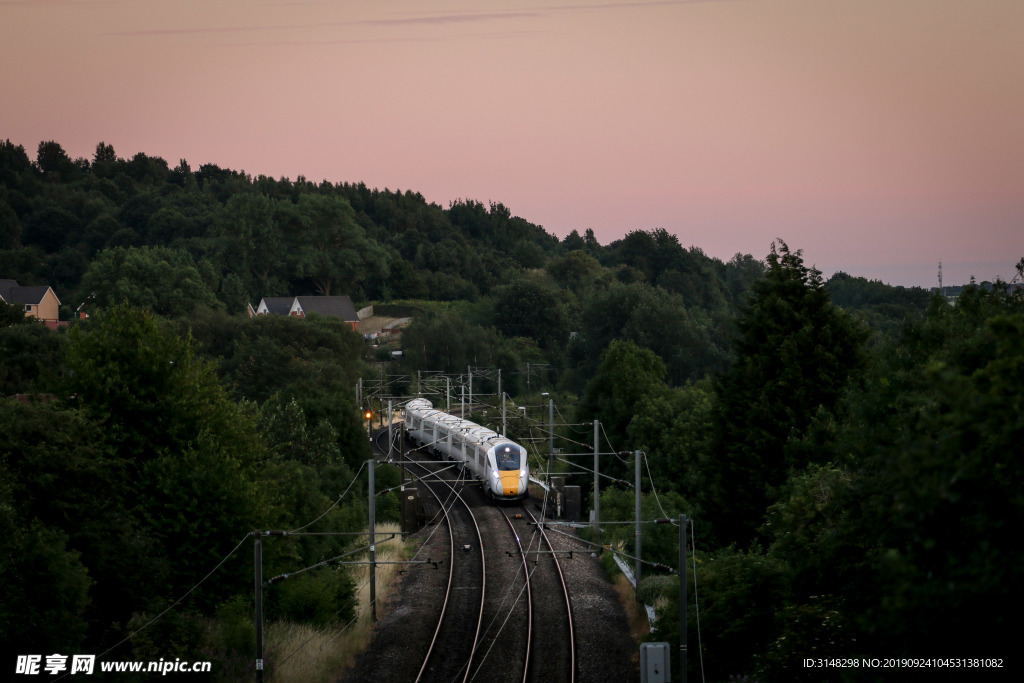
[552, 651]
[526, 606]
[498, 608]
[450, 654]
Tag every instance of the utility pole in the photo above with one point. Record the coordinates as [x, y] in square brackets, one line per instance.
[373, 550]
[258, 556]
[390, 428]
[597, 485]
[469, 373]
[502, 394]
[551, 431]
[637, 456]
[682, 597]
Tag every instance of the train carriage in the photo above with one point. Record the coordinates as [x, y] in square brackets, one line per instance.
[498, 462]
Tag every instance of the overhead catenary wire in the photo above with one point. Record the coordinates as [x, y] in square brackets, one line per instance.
[590, 470]
[169, 607]
[654, 490]
[696, 601]
[355, 478]
[349, 603]
[315, 655]
[611, 449]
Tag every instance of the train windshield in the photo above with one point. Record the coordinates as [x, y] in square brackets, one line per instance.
[507, 456]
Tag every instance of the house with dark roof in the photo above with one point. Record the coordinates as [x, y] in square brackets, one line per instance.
[39, 301]
[275, 305]
[300, 306]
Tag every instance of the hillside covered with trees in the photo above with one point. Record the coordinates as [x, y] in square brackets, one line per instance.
[848, 451]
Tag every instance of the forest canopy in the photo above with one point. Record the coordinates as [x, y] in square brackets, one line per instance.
[846, 449]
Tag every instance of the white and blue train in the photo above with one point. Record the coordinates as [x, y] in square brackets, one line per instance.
[499, 463]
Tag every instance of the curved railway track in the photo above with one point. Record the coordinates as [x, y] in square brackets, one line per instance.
[449, 656]
[503, 572]
[553, 653]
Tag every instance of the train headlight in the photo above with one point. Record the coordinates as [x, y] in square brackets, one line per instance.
[522, 473]
[494, 473]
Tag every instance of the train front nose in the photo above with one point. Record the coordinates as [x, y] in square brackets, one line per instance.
[510, 483]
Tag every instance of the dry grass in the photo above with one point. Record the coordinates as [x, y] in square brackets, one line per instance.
[306, 653]
[635, 612]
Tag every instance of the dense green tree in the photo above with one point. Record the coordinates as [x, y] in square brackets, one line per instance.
[51, 227]
[673, 426]
[923, 529]
[949, 508]
[24, 265]
[657, 257]
[290, 437]
[104, 154]
[54, 163]
[740, 593]
[794, 355]
[447, 342]
[10, 226]
[249, 239]
[15, 166]
[70, 525]
[404, 282]
[330, 248]
[31, 353]
[313, 361]
[741, 272]
[44, 594]
[653, 318]
[528, 308]
[147, 170]
[11, 315]
[626, 377]
[528, 254]
[573, 241]
[188, 452]
[163, 280]
[574, 270]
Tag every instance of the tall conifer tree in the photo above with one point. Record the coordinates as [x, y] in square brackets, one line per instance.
[794, 354]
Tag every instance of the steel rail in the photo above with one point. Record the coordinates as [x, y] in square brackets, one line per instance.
[529, 597]
[467, 667]
[565, 593]
[451, 573]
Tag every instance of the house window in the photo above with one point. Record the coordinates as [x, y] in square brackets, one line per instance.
[28, 308]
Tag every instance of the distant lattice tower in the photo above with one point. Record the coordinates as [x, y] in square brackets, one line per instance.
[1019, 277]
[940, 276]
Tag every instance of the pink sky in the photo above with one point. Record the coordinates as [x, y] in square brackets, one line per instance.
[879, 136]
